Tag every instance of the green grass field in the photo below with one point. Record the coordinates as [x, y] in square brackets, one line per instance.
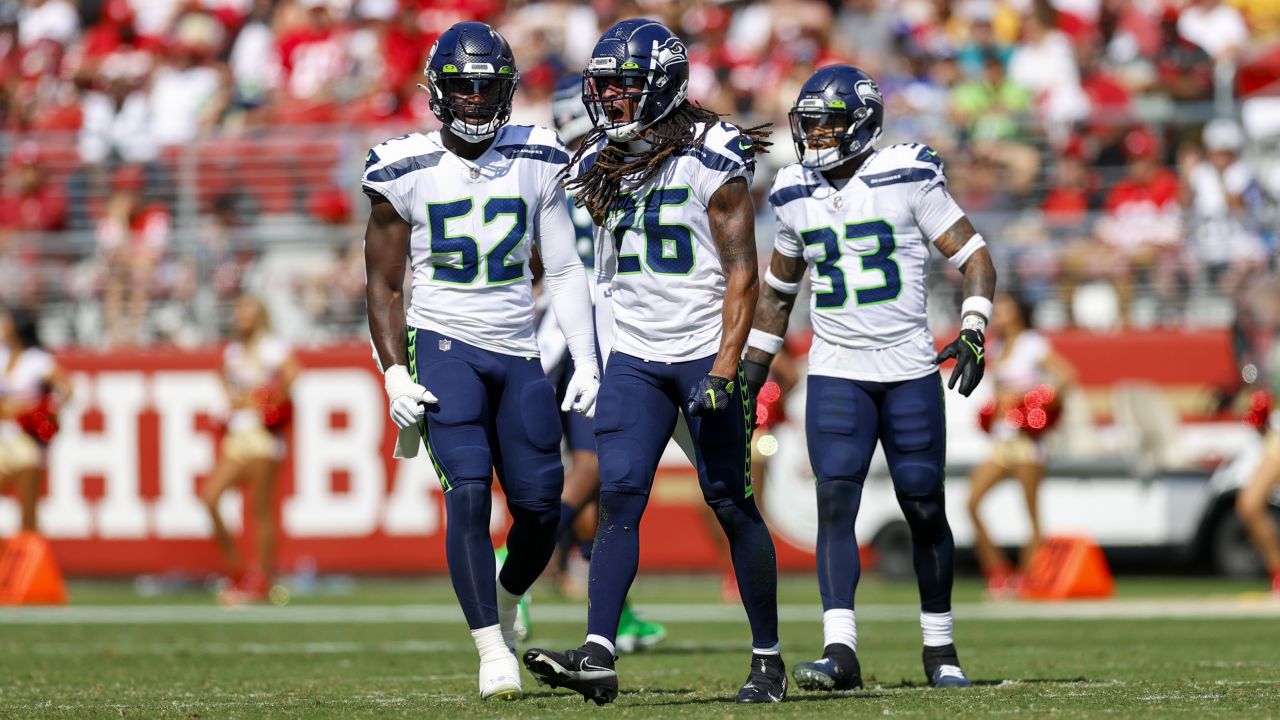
[1164, 648]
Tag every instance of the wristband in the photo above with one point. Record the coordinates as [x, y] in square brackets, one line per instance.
[761, 340]
[966, 251]
[777, 283]
[977, 304]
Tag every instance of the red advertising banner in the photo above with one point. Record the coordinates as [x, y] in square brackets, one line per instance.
[137, 441]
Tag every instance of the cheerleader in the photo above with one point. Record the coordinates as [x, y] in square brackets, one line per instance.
[258, 370]
[1029, 381]
[32, 386]
[1253, 503]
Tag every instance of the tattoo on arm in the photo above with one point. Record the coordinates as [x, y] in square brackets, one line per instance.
[773, 311]
[386, 245]
[979, 271]
[732, 219]
[733, 226]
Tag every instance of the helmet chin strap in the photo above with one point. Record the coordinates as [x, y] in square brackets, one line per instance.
[470, 137]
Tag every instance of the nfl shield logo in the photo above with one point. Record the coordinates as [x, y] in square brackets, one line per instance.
[838, 201]
[445, 345]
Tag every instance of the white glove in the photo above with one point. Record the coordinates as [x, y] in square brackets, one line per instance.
[408, 398]
[580, 396]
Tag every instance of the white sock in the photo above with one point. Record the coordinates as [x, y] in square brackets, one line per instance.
[603, 642]
[507, 606]
[489, 643]
[839, 626]
[775, 649]
[936, 628]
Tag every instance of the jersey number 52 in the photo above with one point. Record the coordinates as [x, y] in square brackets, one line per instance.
[880, 259]
[461, 261]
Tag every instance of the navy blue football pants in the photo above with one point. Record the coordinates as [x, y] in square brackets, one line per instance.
[635, 415]
[844, 421]
[496, 413]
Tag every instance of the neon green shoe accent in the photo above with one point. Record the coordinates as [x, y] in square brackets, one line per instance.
[635, 633]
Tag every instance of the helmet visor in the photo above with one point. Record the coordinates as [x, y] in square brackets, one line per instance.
[613, 100]
[477, 100]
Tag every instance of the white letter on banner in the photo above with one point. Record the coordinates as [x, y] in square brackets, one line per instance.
[185, 453]
[315, 510]
[112, 453]
[411, 508]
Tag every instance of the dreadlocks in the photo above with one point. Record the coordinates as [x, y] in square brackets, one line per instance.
[597, 187]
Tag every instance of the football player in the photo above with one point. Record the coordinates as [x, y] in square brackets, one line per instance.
[465, 206]
[578, 502]
[668, 183]
[861, 220]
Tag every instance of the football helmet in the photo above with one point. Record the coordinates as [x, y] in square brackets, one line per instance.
[838, 116]
[471, 75]
[568, 114]
[638, 73]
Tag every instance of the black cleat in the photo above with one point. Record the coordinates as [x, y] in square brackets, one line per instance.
[587, 670]
[837, 670]
[767, 682]
[942, 667]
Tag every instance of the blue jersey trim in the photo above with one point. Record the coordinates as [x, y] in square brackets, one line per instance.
[785, 195]
[404, 166]
[712, 160]
[545, 153]
[894, 177]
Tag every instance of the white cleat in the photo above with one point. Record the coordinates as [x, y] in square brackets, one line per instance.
[500, 678]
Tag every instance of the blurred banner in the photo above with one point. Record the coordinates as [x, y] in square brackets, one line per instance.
[139, 438]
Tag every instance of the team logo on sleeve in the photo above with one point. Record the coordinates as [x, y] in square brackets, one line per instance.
[869, 91]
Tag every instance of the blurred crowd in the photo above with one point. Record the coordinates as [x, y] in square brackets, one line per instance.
[1120, 154]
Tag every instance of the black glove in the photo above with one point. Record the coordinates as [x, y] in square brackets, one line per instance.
[970, 360]
[757, 374]
[712, 395]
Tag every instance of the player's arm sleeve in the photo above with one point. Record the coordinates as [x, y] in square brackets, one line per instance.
[381, 179]
[786, 241]
[565, 278]
[935, 210]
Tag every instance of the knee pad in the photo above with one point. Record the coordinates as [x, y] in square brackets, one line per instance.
[620, 466]
[916, 477]
[462, 464]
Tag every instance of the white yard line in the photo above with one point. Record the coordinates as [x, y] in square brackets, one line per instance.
[1243, 607]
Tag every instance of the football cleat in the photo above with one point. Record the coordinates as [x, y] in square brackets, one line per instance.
[837, 670]
[767, 682]
[635, 633]
[588, 671]
[942, 667]
[500, 678]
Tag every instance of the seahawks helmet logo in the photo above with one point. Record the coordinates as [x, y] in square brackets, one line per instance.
[670, 52]
[868, 90]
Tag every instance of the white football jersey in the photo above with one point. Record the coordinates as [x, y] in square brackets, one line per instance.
[656, 257]
[473, 223]
[867, 247]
